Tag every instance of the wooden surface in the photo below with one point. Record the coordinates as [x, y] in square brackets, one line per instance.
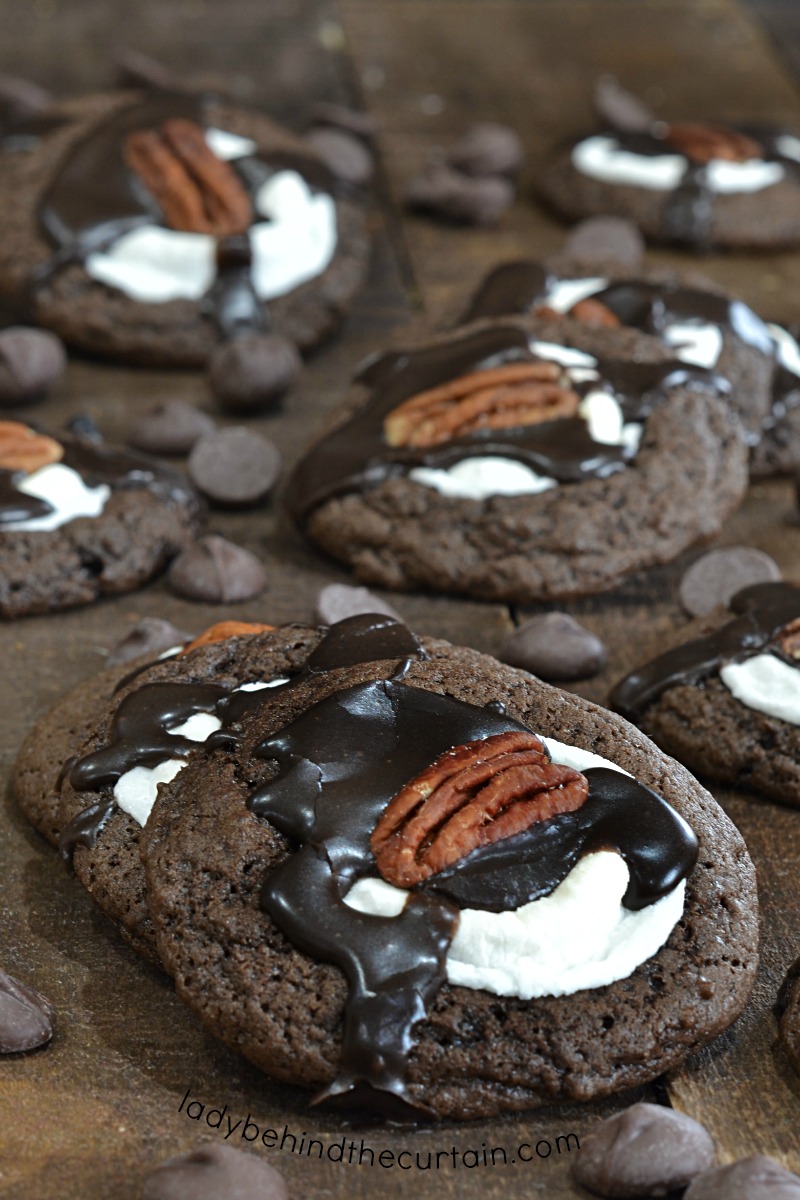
[89, 1115]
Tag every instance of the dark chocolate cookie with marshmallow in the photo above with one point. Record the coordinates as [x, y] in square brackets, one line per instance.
[725, 698]
[80, 519]
[522, 459]
[277, 926]
[153, 226]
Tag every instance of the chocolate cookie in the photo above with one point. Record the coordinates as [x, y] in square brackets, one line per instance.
[724, 700]
[292, 932]
[692, 316]
[788, 1010]
[151, 226]
[80, 519]
[690, 183]
[522, 459]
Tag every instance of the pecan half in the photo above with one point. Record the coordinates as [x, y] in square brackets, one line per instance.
[500, 398]
[198, 192]
[221, 632]
[471, 796]
[594, 312]
[700, 143]
[23, 449]
[789, 639]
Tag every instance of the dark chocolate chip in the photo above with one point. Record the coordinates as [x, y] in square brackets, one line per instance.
[135, 69]
[606, 239]
[488, 148]
[252, 373]
[620, 108]
[234, 466]
[21, 98]
[720, 574]
[554, 647]
[151, 635]
[170, 427]
[26, 1017]
[754, 1178]
[84, 426]
[31, 361]
[343, 153]
[212, 1172]
[444, 192]
[647, 1150]
[352, 120]
[338, 601]
[217, 571]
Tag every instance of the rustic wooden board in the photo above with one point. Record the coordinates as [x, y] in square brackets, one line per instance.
[87, 1116]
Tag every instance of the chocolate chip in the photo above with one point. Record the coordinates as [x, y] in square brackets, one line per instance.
[352, 120]
[26, 1017]
[84, 426]
[135, 69]
[606, 239]
[218, 571]
[234, 466]
[251, 373]
[21, 98]
[211, 1172]
[444, 192]
[620, 108]
[339, 600]
[31, 360]
[647, 1150]
[151, 635]
[554, 647]
[170, 427]
[754, 1178]
[488, 148]
[720, 574]
[343, 153]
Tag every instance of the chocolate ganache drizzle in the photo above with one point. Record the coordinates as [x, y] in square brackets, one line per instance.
[340, 763]
[764, 608]
[96, 464]
[140, 730]
[95, 198]
[355, 456]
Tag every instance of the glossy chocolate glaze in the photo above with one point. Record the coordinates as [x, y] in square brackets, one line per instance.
[688, 210]
[94, 198]
[140, 737]
[340, 763]
[764, 608]
[355, 456]
[96, 464]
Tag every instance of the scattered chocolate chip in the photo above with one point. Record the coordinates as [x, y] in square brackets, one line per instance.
[251, 373]
[21, 98]
[26, 1017]
[234, 466]
[620, 108]
[343, 153]
[218, 571]
[151, 635]
[754, 1178]
[647, 1150]
[338, 600]
[170, 427]
[554, 647]
[720, 574]
[444, 192]
[488, 148]
[211, 1172]
[31, 361]
[84, 427]
[606, 239]
[353, 120]
[135, 69]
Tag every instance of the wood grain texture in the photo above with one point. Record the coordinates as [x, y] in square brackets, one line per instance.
[87, 1117]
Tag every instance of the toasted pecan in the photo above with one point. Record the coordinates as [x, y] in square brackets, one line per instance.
[700, 142]
[23, 449]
